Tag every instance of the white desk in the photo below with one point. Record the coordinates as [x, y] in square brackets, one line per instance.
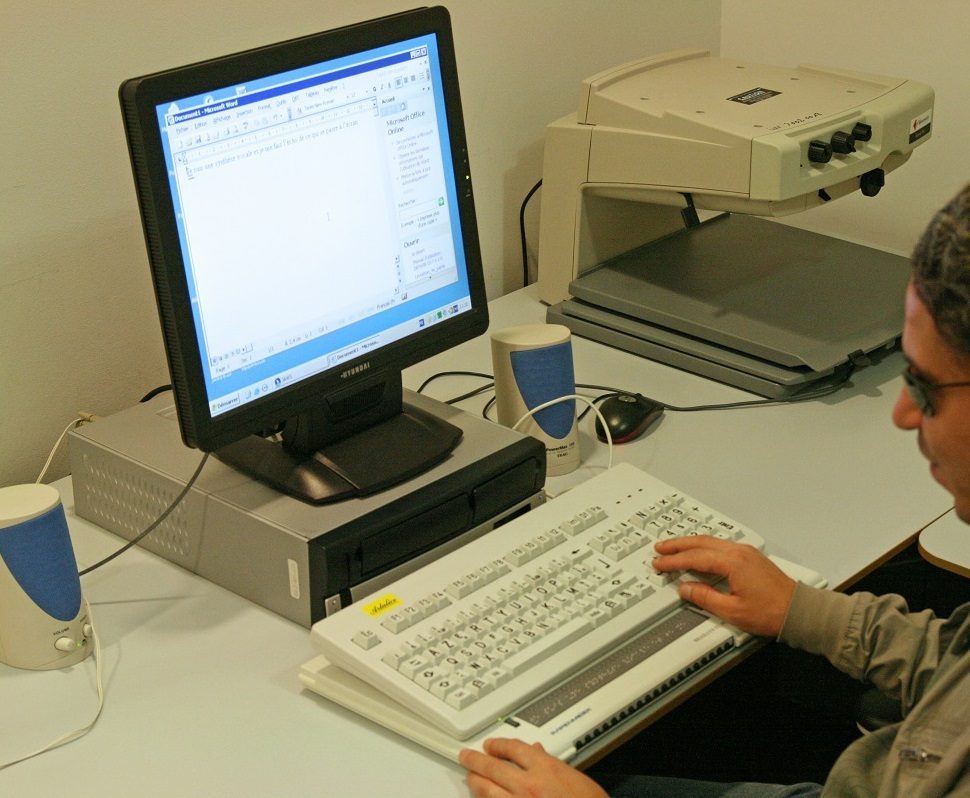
[946, 543]
[202, 692]
[202, 699]
[829, 483]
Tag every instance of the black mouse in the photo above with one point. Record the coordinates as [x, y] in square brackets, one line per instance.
[628, 416]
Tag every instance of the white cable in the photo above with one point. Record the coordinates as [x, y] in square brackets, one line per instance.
[566, 398]
[74, 735]
[57, 445]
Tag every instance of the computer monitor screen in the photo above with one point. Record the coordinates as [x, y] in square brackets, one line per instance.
[308, 212]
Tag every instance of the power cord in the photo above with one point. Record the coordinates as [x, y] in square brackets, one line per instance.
[154, 524]
[840, 380]
[83, 418]
[86, 418]
[525, 251]
[77, 421]
[77, 733]
[584, 386]
[463, 396]
[591, 406]
[155, 392]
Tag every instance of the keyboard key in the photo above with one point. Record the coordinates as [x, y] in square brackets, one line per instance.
[659, 579]
[443, 687]
[550, 644]
[396, 622]
[618, 582]
[639, 538]
[726, 529]
[597, 616]
[411, 666]
[426, 677]
[641, 518]
[532, 548]
[641, 588]
[586, 518]
[654, 528]
[615, 552]
[459, 588]
[460, 698]
[427, 606]
[366, 639]
[479, 687]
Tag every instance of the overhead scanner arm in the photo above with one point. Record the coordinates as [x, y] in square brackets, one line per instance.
[729, 135]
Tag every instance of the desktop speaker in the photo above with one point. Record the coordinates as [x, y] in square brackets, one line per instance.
[43, 617]
[533, 364]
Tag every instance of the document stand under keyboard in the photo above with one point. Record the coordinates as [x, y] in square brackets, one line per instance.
[553, 628]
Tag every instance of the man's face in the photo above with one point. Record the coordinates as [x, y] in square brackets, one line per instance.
[944, 437]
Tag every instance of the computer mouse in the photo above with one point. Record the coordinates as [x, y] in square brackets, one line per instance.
[627, 416]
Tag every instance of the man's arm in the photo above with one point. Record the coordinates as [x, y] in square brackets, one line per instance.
[871, 638]
[758, 592]
[759, 598]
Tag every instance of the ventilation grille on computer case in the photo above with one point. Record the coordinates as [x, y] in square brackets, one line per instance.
[125, 500]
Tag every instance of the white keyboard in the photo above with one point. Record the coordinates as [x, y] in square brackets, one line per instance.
[477, 634]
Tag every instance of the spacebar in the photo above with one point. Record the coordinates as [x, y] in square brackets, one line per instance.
[554, 641]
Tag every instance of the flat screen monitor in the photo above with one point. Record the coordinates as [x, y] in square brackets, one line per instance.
[310, 227]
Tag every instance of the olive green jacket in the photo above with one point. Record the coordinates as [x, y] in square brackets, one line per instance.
[923, 661]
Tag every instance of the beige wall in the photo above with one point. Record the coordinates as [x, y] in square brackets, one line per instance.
[919, 41]
[78, 329]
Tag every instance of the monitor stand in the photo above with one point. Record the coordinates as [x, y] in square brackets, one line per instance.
[404, 442]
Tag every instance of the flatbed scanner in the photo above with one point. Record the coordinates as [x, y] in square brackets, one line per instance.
[657, 144]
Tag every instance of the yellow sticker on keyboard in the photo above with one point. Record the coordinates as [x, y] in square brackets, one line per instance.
[384, 604]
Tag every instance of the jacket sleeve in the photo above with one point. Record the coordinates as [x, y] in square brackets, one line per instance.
[869, 637]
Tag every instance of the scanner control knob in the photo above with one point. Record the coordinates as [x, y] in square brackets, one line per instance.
[872, 181]
[819, 151]
[861, 131]
[843, 142]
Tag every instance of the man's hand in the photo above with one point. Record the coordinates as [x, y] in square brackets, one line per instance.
[514, 769]
[758, 594]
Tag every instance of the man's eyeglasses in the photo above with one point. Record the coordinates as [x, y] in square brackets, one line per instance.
[921, 391]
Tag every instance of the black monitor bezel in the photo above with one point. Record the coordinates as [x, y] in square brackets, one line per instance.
[139, 98]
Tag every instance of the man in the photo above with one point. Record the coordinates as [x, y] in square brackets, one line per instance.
[921, 660]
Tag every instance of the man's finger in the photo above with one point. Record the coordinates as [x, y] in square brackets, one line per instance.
[702, 560]
[689, 542]
[516, 751]
[493, 768]
[707, 598]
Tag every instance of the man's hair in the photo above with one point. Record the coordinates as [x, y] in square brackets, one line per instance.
[941, 271]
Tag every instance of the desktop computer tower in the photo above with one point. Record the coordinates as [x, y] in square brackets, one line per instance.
[299, 560]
